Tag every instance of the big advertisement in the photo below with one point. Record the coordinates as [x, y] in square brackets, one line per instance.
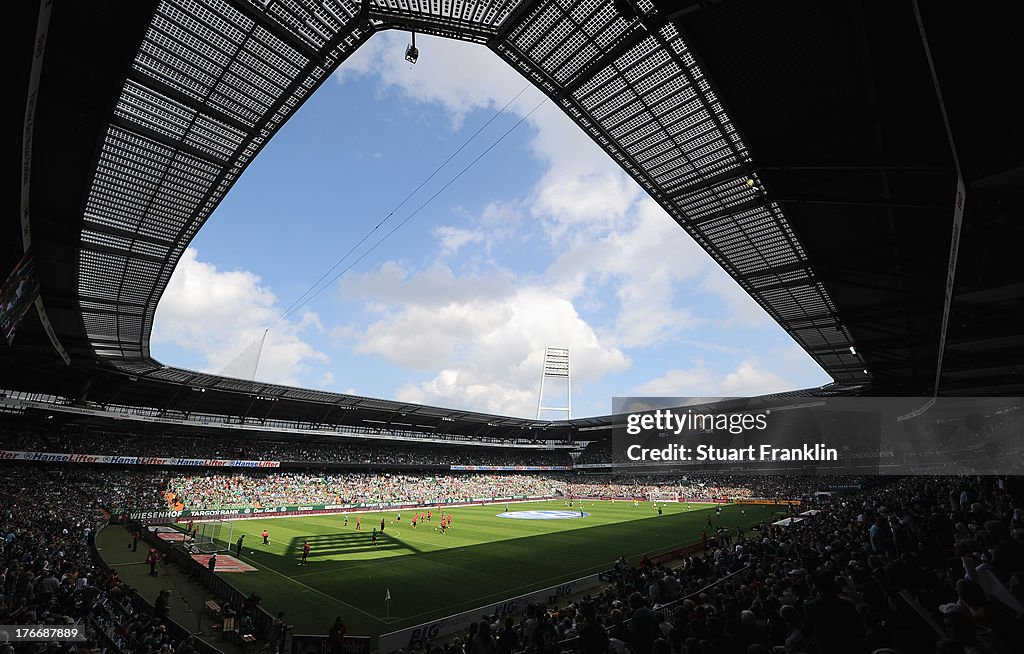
[110, 459]
[168, 515]
[460, 468]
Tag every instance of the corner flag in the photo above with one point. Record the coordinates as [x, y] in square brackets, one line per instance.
[387, 595]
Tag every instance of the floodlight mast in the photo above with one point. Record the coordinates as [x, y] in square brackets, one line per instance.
[556, 366]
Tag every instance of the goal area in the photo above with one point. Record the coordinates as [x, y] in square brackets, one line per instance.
[213, 536]
[664, 496]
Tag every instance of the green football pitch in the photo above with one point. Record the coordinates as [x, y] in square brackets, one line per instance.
[481, 559]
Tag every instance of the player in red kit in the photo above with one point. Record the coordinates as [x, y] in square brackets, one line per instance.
[305, 552]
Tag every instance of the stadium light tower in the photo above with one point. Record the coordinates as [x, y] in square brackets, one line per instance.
[556, 366]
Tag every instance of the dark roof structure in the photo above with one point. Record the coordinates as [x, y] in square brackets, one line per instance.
[801, 144]
[839, 107]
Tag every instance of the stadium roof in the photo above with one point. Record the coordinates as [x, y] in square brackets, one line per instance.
[832, 207]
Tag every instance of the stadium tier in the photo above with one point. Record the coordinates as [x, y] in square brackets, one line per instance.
[888, 563]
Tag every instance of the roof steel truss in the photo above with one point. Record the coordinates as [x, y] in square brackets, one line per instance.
[214, 80]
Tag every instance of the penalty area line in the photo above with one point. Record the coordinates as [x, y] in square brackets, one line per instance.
[323, 594]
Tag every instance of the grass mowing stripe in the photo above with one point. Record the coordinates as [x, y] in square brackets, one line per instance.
[509, 592]
[537, 583]
[333, 599]
[429, 575]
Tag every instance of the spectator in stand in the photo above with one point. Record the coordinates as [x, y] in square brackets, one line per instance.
[336, 636]
[839, 582]
[152, 558]
[51, 578]
[162, 607]
[278, 629]
[819, 586]
[832, 621]
[508, 641]
[328, 448]
[483, 642]
[593, 637]
[645, 629]
[796, 642]
[880, 535]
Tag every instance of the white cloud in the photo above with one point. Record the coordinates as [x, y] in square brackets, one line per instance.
[644, 263]
[481, 336]
[748, 379]
[484, 348]
[220, 316]
[453, 239]
[609, 230]
[678, 383]
[463, 77]
[436, 286]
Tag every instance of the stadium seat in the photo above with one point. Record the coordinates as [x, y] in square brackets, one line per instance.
[228, 628]
[213, 608]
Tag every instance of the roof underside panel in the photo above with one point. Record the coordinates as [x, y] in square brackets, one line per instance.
[468, 20]
[210, 84]
[638, 91]
[213, 80]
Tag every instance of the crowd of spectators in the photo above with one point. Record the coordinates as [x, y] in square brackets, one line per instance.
[119, 488]
[314, 451]
[596, 452]
[913, 565]
[212, 490]
[694, 486]
[49, 577]
[254, 489]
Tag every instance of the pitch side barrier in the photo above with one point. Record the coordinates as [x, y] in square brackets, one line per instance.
[766, 501]
[169, 516]
[428, 631]
[216, 583]
[573, 644]
[627, 498]
[247, 513]
[406, 638]
[695, 500]
[133, 603]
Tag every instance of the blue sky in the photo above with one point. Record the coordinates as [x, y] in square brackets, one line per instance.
[542, 242]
